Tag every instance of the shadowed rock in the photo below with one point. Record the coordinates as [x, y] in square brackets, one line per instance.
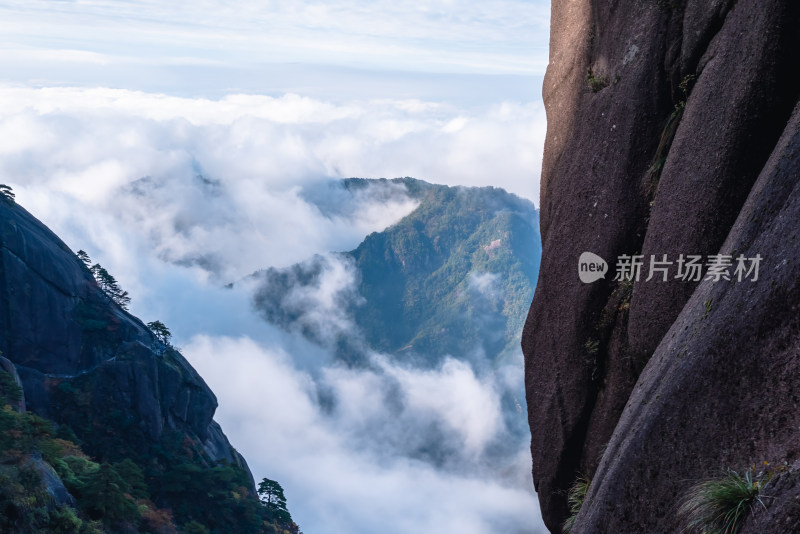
[85, 362]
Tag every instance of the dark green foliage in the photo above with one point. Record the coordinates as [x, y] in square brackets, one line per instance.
[21, 434]
[105, 493]
[85, 259]
[110, 287]
[175, 470]
[454, 276]
[10, 392]
[132, 474]
[596, 83]
[23, 501]
[720, 505]
[6, 193]
[91, 317]
[119, 477]
[193, 527]
[25, 506]
[217, 497]
[161, 332]
[63, 520]
[575, 498]
[104, 496]
[271, 494]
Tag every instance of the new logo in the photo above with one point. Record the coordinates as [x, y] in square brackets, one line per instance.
[591, 267]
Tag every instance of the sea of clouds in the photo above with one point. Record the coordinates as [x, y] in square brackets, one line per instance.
[177, 197]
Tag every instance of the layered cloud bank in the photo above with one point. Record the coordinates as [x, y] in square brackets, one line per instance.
[190, 174]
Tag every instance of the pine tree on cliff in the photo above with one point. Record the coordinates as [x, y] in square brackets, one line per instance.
[110, 286]
[161, 331]
[84, 257]
[6, 193]
[271, 494]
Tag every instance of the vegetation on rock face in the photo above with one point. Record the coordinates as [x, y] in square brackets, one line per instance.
[6, 193]
[129, 491]
[122, 437]
[575, 498]
[173, 471]
[720, 505]
[107, 283]
[161, 332]
[596, 83]
[99, 499]
[271, 494]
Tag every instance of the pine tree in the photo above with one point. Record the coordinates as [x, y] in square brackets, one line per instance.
[108, 284]
[161, 331]
[7, 193]
[105, 495]
[84, 257]
[271, 495]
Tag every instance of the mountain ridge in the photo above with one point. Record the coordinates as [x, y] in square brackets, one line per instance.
[416, 282]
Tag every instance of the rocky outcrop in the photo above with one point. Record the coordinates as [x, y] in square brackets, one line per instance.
[86, 363]
[673, 128]
[51, 482]
[18, 404]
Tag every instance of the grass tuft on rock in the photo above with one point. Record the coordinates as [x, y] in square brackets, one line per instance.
[720, 505]
[575, 497]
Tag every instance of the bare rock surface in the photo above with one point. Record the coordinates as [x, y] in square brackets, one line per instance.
[671, 131]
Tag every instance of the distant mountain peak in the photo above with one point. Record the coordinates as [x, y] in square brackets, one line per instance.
[452, 278]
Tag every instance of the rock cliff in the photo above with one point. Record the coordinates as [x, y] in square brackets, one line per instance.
[87, 364]
[673, 129]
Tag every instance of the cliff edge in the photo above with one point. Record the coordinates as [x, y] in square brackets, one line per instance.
[101, 376]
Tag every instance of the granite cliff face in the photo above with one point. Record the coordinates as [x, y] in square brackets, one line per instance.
[59, 329]
[88, 365]
[673, 128]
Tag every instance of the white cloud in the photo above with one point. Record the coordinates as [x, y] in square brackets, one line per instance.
[456, 396]
[88, 148]
[485, 283]
[340, 472]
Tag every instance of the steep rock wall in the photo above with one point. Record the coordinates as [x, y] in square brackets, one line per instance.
[670, 131]
[85, 362]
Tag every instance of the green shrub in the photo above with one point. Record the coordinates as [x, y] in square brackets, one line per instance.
[575, 497]
[64, 521]
[193, 527]
[10, 392]
[596, 83]
[719, 505]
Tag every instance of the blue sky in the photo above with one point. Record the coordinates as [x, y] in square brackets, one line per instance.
[467, 59]
[209, 48]
[100, 99]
